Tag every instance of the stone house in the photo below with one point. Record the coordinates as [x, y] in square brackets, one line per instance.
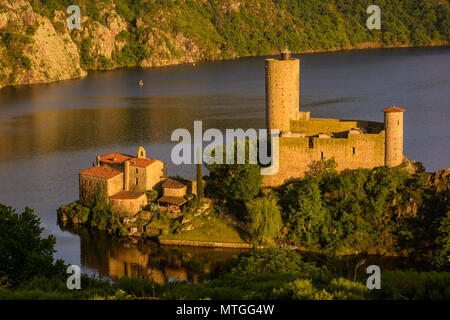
[174, 192]
[106, 181]
[121, 179]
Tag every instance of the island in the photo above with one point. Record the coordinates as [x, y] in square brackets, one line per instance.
[342, 187]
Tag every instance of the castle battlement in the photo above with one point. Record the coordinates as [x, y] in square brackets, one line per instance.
[304, 140]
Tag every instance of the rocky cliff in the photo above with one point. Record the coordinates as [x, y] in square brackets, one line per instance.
[36, 45]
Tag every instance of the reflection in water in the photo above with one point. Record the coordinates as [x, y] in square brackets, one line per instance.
[117, 258]
[78, 129]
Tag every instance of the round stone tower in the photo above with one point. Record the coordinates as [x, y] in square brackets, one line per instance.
[282, 91]
[393, 126]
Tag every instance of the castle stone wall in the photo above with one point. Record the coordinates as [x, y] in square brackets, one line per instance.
[297, 154]
[319, 125]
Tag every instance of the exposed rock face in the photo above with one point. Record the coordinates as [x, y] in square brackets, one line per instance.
[36, 45]
[53, 56]
[54, 51]
[51, 52]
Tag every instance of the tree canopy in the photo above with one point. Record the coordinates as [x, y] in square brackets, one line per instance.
[23, 253]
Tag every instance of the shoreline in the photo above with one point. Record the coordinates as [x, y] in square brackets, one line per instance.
[359, 47]
[205, 244]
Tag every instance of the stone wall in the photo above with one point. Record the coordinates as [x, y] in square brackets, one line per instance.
[89, 185]
[128, 207]
[147, 178]
[191, 186]
[138, 173]
[314, 126]
[173, 192]
[154, 173]
[297, 154]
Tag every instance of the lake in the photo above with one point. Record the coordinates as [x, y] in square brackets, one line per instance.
[49, 132]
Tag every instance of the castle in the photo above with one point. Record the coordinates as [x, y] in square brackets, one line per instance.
[305, 140]
[122, 180]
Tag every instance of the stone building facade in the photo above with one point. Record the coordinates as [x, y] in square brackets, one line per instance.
[122, 180]
[305, 140]
[128, 202]
[144, 174]
[104, 180]
[174, 192]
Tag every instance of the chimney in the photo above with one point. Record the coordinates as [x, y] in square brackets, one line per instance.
[286, 55]
[98, 160]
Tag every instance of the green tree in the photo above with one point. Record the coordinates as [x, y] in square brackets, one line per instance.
[199, 178]
[272, 261]
[23, 254]
[235, 183]
[265, 218]
[305, 215]
[442, 252]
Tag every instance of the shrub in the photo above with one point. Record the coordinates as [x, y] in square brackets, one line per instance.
[409, 285]
[265, 218]
[272, 260]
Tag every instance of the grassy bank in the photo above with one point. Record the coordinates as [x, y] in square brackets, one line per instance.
[209, 228]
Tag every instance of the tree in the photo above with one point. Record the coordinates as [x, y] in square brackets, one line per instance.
[23, 254]
[272, 261]
[265, 218]
[442, 252]
[199, 180]
[236, 183]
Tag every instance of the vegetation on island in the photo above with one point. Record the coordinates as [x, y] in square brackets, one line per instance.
[401, 210]
[397, 211]
[98, 216]
[197, 221]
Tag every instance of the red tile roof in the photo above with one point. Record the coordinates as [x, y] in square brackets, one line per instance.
[115, 158]
[124, 195]
[394, 109]
[176, 201]
[101, 172]
[140, 162]
[172, 184]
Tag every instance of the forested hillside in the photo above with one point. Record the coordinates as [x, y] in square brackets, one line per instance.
[36, 45]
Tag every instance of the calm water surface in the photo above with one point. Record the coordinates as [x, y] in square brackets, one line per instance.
[49, 132]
